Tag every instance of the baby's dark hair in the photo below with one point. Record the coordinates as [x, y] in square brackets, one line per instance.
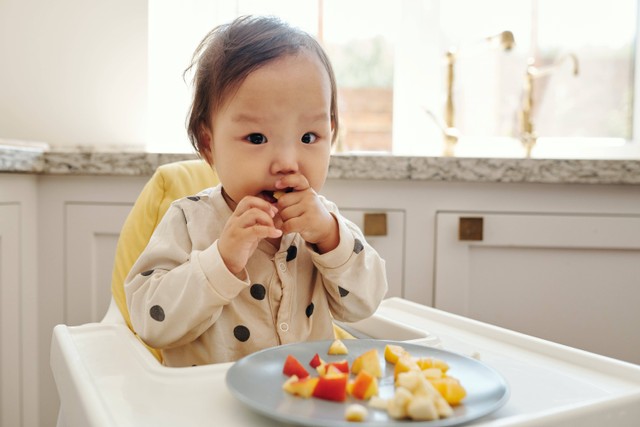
[230, 52]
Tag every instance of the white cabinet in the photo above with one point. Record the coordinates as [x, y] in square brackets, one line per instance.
[573, 279]
[79, 220]
[91, 237]
[18, 296]
[10, 308]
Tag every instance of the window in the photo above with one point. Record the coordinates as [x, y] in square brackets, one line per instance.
[389, 58]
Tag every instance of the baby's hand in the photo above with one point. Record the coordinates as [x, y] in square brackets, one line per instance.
[251, 222]
[301, 211]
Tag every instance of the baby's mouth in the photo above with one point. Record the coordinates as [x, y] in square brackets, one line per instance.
[272, 196]
[268, 196]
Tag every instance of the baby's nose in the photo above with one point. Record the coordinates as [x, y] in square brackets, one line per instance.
[284, 161]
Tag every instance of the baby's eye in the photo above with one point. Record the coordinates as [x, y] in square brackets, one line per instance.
[309, 138]
[256, 138]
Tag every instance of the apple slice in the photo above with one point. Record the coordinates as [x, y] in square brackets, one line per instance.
[316, 361]
[338, 347]
[293, 367]
[300, 387]
[367, 361]
[332, 387]
[363, 386]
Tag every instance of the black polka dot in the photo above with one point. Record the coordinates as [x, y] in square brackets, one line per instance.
[147, 273]
[157, 313]
[258, 291]
[309, 310]
[292, 252]
[343, 291]
[194, 198]
[241, 333]
[357, 246]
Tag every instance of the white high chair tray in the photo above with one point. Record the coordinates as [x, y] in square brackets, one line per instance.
[105, 377]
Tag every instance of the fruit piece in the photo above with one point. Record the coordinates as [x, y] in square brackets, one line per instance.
[316, 361]
[363, 386]
[393, 352]
[367, 361]
[278, 194]
[432, 373]
[340, 366]
[379, 403]
[444, 409]
[293, 367]
[332, 387]
[338, 347]
[450, 388]
[404, 364]
[355, 412]
[422, 408]
[409, 380]
[397, 405]
[430, 362]
[300, 387]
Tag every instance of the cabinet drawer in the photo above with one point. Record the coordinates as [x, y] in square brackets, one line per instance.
[572, 279]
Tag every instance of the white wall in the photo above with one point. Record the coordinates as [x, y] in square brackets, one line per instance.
[74, 71]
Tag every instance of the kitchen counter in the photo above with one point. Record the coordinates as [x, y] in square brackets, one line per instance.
[137, 162]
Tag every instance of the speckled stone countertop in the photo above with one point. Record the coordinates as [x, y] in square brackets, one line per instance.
[127, 162]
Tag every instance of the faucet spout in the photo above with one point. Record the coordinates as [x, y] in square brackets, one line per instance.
[450, 134]
[528, 135]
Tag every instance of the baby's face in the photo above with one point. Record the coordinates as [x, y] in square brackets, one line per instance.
[277, 123]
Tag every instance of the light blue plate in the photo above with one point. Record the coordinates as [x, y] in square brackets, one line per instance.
[257, 380]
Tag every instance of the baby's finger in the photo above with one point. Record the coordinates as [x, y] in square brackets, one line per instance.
[255, 216]
[296, 181]
[265, 231]
[250, 202]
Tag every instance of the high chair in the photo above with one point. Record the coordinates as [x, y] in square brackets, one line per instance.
[170, 182]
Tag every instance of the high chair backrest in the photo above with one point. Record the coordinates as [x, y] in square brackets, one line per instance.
[170, 182]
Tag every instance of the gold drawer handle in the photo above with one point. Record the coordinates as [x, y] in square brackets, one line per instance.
[470, 229]
[375, 224]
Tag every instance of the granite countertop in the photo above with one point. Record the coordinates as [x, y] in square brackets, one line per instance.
[136, 162]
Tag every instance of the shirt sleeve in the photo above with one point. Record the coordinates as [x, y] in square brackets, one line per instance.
[353, 274]
[175, 292]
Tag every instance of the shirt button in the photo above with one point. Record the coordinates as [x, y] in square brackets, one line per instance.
[284, 327]
[282, 266]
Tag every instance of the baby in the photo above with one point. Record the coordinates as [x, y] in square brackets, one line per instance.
[233, 269]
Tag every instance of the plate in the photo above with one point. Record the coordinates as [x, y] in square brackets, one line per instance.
[256, 380]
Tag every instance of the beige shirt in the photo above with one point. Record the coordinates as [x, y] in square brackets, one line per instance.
[183, 300]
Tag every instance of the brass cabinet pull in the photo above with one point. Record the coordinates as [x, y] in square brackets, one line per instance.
[470, 229]
[375, 224]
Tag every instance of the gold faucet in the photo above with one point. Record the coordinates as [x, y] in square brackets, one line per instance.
[528, 135]
[449, 131]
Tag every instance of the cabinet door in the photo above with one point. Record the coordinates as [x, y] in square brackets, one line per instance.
[92, 232]
[10, 319]
[573, 279]
[390, 245]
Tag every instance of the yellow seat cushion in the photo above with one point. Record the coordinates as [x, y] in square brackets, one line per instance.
[170, 182]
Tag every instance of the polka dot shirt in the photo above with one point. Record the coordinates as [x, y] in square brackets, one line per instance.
[183, 300]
